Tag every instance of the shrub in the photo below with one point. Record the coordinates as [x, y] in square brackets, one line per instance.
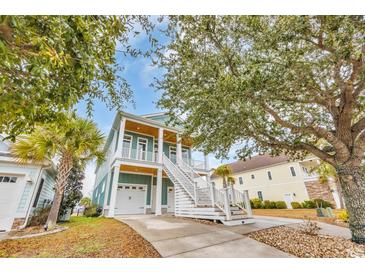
[322, 203]
[93, 211]
[280, 205]
[309, 227]
[296, 205]
[40, 216]
[256, 203]
[309, 204]
[269, 204]
[344, 216]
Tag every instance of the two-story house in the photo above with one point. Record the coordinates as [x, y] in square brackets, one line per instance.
[278, 179]
[23, 187]
[149, 169]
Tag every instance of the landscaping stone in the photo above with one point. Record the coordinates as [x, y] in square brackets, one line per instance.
[296, 242]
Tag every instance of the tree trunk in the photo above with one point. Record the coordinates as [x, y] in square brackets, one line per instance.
[64, 168]
[353, 189]
[224, 182]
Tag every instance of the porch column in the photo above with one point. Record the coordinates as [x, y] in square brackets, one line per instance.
[178, 149]
[159, 173]
[113, 194]
[121, 137]
[160, 145]
[159, 191]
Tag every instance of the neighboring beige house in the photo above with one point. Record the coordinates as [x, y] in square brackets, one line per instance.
[277, 178]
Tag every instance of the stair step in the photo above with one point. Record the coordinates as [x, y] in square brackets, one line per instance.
[243, 221]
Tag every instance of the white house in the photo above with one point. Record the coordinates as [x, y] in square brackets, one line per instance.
[23, 188]
[278, 179]
[149, 169]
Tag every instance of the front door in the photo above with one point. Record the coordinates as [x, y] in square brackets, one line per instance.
[131, 199]
[288, 199]
[170, 199]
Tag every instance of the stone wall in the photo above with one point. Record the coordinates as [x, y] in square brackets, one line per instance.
[317, 190]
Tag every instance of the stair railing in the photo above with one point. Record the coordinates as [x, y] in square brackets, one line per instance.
[219, 197]
[178, 174]
[240, 199]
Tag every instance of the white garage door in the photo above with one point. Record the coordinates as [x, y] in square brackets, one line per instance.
[9, 199]
[131, 199]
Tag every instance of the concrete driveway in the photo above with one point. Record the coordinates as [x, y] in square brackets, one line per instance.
[178, 237]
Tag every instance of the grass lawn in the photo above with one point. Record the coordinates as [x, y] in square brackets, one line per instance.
[86, 237]
[296, 214]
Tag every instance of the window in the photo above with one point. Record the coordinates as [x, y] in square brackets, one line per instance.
[155, 150]
[185, 155]
[8, 179]
[172, 154]
[38, 193]
[240, 180]
[292, 170]
[127, 145]
[252, 176]
[259, 194]
[269, 175]
[142, 148]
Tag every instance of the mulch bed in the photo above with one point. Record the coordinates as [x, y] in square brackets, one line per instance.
[84, 238]
[300, 244]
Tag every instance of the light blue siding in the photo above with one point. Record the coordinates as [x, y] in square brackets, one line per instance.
[47, 191]
[165, 183]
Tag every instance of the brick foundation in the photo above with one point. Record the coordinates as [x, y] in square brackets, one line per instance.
[317, 190]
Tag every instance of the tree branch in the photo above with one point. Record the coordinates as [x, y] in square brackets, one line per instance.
[358, 127]
[341, 150]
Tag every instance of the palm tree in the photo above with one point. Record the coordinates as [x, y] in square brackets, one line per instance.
[71, 139]
[231, 180]
[225, 172]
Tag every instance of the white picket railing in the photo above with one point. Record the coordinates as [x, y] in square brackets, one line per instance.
[180, 176]
[240, 199]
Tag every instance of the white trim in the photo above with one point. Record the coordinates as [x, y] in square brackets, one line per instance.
[154, 114]
[143, 134]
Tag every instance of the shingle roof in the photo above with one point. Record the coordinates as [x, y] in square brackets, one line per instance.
[256, 162]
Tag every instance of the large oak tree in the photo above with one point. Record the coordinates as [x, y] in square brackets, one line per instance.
[49, 63]
[292, 84]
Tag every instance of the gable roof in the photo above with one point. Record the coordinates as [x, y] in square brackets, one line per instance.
[256, 162]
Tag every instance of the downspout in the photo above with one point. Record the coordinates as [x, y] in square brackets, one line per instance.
[33, 197]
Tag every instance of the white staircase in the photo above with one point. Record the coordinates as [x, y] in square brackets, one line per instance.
[197, 198]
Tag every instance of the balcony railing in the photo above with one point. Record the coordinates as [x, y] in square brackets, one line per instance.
[140, 155]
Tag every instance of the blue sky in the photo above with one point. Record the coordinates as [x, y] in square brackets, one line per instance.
[140, 74]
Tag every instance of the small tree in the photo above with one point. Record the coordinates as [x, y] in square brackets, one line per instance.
[85, 201]
[73, 139]
[225, 172]
[72, 193]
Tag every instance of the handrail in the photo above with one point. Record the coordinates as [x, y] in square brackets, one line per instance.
[240, 199]
[174, 169]
[191, 172]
